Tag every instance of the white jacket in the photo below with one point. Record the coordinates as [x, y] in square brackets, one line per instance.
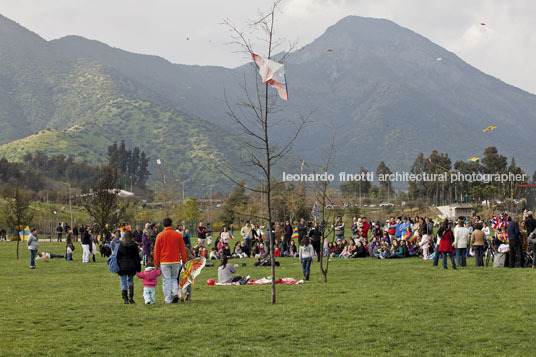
[461, 237]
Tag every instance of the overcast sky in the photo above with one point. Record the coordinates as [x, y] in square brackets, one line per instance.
[190, 32]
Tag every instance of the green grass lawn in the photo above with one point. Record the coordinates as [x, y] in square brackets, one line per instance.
[369, 307]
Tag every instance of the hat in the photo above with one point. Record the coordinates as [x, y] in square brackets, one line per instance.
[529, 213]
[210, 282]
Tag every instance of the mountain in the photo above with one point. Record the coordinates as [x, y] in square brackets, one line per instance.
[64, 104]
[389, 92]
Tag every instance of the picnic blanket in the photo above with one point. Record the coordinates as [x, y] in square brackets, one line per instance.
[264, 281]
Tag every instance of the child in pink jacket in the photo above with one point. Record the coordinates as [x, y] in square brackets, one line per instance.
[150, 277]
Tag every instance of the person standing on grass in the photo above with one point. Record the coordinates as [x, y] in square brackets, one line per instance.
[478, 241]
[69, 246]
[316, 236]
[461, 241]
[33, 246]
[514, 235]
[201, 235]
[86, 244]
[59, 230]
[530, 224]
[302, 230]
[128, 260]
[445, 246]
[169, 250]
[246, 234]
[306, 255]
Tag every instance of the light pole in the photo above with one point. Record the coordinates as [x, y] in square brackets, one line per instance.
[183, 183]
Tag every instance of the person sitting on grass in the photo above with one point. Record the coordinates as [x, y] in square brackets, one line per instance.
[292, 251]
[226, 251]
[360, 250]
[150, 278]
[277, 250]
[226, 271]
[214, 254]
[238, 251]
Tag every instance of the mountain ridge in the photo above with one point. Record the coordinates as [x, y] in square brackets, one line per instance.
[390, 91]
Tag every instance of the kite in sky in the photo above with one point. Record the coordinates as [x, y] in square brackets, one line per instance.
[189, 271]
[331, 50]
[430, 161]
[439, 59]
[474, 158]
[272, 73]
[489, 128]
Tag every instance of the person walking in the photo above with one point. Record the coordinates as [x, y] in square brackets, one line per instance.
[514, 239]
[478, 241]
[461, 240]
[86, 244]
[306, 254]
[445, 246]
[128, 260]
[33, 246]
[169, 250]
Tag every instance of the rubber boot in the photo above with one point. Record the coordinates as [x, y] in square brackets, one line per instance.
[125, 296]
[131, 293]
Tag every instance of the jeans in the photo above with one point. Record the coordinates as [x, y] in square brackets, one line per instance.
[444, 254]
[479, 255]
[533, 247]
[69, 256]
[515, 253]
[148, 295]
[85, 253]
[170, 285]
[306, 265]
[33, 253]
[339, 236]
[126, 281]
[461, 256]
[436, 256]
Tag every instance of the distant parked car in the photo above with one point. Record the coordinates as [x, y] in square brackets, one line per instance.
[372, 205]
[386, 204]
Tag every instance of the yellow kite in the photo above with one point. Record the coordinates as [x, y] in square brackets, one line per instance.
[489, 128]
[474, 158]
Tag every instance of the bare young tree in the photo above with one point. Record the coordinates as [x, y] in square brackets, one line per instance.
[254, 116]
[326, 212]
[18, 211]
[102, 202]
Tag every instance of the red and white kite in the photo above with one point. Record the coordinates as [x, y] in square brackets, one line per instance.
[272, 73]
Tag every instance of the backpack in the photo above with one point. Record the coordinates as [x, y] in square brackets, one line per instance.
[112, 261]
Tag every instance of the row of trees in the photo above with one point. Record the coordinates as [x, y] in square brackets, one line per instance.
[131, 164]
[436, 192]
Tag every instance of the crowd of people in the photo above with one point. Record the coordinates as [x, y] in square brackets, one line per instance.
[396, 238]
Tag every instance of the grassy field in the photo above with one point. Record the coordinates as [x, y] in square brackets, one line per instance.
[369, 307]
